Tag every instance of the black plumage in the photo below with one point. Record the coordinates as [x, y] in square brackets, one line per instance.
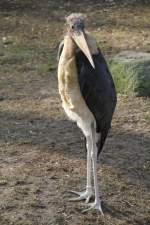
[98, 90]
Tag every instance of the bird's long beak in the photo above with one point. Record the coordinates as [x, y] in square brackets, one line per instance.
[81, 42]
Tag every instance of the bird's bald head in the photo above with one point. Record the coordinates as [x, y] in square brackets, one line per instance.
[75, 22]
[75, 28]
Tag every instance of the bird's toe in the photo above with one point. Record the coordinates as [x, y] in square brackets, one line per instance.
[81, 195]
[94, 206]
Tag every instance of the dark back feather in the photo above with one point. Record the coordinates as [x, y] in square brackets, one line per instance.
[98, 90]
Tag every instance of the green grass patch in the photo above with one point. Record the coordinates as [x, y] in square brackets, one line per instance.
[124, 83]
[15, 54]
[25, 57]
[131, 78]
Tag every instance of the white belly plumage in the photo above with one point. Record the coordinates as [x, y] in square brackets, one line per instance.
[72, 99]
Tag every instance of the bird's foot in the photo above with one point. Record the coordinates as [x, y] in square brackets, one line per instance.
[87, 194]
[94, 205]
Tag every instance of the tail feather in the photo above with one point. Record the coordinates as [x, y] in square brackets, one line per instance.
[101, 141]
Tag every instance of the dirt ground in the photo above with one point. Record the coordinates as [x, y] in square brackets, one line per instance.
[42, 154]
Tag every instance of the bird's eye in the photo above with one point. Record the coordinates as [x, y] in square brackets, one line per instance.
[72, 26]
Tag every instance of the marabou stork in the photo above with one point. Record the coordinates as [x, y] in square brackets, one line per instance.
[88, 95]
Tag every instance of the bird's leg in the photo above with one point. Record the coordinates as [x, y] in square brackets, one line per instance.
[89, 165]
[97, 203]
[87, 194]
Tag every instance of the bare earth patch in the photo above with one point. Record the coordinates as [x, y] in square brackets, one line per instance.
[42, 154]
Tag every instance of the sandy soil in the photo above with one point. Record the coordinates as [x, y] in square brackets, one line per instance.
[42, 154]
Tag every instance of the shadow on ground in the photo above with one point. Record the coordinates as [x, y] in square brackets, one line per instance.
[63, 137]
[43, 157]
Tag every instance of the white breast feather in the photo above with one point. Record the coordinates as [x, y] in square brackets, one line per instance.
[72, 100]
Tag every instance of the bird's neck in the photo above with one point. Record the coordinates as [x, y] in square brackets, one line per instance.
[69, 47]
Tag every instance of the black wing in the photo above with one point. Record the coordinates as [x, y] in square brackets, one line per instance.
[98, 90]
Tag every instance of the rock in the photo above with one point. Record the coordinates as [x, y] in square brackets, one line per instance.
[131, 72]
